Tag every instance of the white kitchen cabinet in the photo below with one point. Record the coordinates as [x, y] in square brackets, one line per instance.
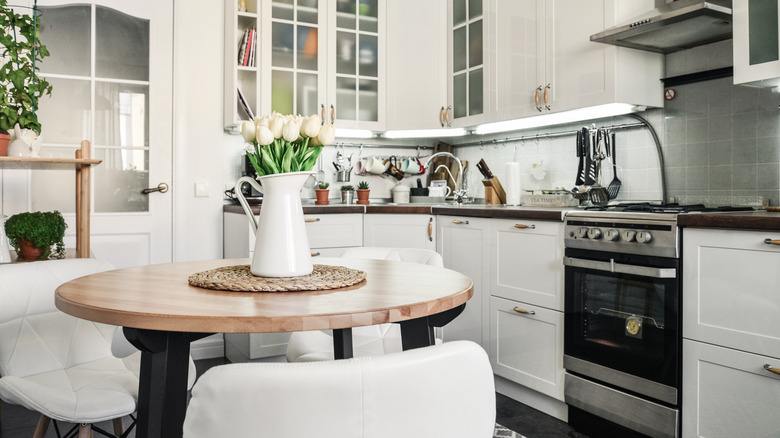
[468, 71]
[400, 231]
[545, 62]
[526, 345]
[463, 243]
[728, 393]
[526, 261]
[756, 42]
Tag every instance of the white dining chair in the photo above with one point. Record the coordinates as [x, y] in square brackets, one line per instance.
[444, 390]
[317, 345]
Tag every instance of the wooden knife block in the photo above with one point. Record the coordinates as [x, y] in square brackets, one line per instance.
[494, 192]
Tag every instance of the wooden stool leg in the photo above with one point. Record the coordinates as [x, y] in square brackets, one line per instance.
[85, 430]
[119, 427]
[43, 425]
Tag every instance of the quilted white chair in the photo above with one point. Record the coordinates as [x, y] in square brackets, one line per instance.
[439, 391]
[370, 340]
[54, 363]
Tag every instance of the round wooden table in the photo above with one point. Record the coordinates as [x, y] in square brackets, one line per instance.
[161, 314]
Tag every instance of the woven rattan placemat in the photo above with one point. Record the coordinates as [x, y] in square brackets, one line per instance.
[239, 279]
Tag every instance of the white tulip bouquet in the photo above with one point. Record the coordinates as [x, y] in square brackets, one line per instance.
[286, 143]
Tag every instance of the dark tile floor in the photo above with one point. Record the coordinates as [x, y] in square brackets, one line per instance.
[17, 422]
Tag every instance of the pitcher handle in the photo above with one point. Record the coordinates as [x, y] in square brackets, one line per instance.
[242, 199]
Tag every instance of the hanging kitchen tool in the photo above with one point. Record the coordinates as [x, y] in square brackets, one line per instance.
[598, 194]
[580, 190]
[614, 186]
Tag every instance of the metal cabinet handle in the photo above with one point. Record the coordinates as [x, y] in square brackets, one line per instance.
[316, 219]
[441, 116]
[332, 114]
[430, 230]
[459, 222]
[162, 188]
[772, 242]
[523, 226]
[524, 312]
[448, 116]
[536, 98]
[315, 254]
[547, 97]
[322, 106]
[771, 369]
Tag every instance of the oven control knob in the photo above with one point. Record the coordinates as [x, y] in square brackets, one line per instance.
[644, 237]
[629, 235]
[594, 233]
[613, 235]
[582, 233]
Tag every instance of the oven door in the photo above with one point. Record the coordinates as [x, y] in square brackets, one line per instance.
[622, 314]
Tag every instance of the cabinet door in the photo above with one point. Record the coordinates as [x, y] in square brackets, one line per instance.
[526, 345]
[730, 284]
[756, 42]
[468, 50]
[728, 393]
[416, 64]
[526, 261]
[463, 243]
[400, 231]
[334, 230]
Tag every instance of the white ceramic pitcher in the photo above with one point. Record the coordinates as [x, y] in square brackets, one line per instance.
[281, 245]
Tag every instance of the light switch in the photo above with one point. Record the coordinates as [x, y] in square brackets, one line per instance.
[201, 190]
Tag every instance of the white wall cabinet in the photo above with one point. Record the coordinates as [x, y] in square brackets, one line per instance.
[463, 243]
[756, 42]
[468, 71]
[400, 231]
[730, 331]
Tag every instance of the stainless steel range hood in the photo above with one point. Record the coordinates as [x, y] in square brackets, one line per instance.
[678, 25]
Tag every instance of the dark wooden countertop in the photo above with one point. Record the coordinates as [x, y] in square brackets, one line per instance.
[307, 209]
[755, 220]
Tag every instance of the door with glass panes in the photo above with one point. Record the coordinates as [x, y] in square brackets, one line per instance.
[111, 69]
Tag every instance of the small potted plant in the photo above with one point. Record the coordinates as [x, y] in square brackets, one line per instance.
[5, 138]
[322, 193]
[362, 192]
[347, 194]
[33, 234]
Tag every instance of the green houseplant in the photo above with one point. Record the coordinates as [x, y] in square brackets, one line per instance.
[20, 51]
[362, 192]
[347, 194]
[322, 193]
[37, 230]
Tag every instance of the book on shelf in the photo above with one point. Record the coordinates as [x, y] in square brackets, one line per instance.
[244, 107]
[246, 48]
[253, 43]
[242, 48]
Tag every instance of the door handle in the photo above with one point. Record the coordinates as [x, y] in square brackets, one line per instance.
[441, 116]
[547, 97]
[523, 226]
[162, 188]
[332, 115]
[430, 230]
[311, 219]
[459, 222]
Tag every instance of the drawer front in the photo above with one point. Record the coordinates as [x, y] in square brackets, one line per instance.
[731, 289]
[527, 348]
[728, 393]
[334, 230]
[326, 252]
[400, 231]
[526, 261]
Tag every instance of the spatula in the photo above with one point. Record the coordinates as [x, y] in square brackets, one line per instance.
[614, 186]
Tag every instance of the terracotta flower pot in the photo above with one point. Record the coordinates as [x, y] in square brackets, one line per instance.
[362, 195]
[4, 140]
[27, 252]
[322, 196]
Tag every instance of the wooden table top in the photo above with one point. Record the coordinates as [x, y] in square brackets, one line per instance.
[158, 297]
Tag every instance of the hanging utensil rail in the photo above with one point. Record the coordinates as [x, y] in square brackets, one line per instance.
[546, 135]
[382, 146]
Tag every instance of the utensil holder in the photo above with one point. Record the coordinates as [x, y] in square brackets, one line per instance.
[494, 192]
[343, 175]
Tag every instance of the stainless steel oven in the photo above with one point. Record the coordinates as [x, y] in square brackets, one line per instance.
[622, 340]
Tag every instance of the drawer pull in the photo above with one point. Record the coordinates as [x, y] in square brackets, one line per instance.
[457, 222]
[315, 254]
[523, 226]
[524, 312]
[772, 242]
[771, 369]
[430, 230]
[310, 220]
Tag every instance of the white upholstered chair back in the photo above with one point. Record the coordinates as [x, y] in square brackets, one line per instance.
[409, 255]
[440, 391]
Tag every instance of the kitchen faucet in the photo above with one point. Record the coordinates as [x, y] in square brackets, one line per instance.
[459, 193]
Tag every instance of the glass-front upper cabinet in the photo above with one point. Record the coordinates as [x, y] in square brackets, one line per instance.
[467, 77]
[756, 42]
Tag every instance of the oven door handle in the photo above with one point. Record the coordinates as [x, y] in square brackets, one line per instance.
[611, 266]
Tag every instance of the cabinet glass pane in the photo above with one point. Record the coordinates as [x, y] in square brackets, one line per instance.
[66, 119]
[66, 33]
[43, 198]
[119, 180]
[369, 101]
[475, 44]
[368, 16]
[282, 92]
[307, 11]
[282, 9]
[121, 45]
[459, 49]
[475, 9]
[346, 99]
[121, 114]
[346, 15]
[282, 40]
[347, 48]
[307, 48]
[762, 31]
[307, 94]
[458, 12]
[368, 55]
[475, 92]
[459, 95]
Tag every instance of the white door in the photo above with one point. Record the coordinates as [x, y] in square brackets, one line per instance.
[111, 68]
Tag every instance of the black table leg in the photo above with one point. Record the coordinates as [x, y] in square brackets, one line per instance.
[342, 343]
[417, 333]
[162, 391]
